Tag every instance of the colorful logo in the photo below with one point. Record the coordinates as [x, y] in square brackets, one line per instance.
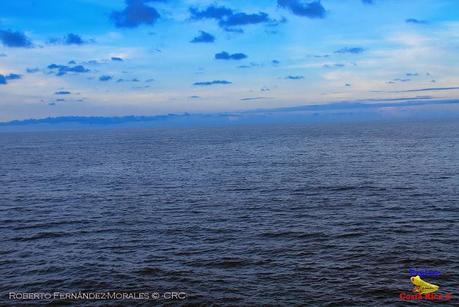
[423, 287]
[424, 290]
[424, 272]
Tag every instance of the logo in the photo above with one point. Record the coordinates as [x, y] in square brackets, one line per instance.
[423, 287]
[424, 290]
[424, 272]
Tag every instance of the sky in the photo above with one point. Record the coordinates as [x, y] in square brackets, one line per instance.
[147, 57]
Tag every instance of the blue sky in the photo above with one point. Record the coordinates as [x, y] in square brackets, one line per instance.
[146, 57]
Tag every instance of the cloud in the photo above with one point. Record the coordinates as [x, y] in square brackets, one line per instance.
[73, 39]
[251, 65]
[69, 39]
[63, 69]
[227, 18]
[253, 98]
[5, 78]
[55, 66]
[14, 39]
[126, 80]
[54, 40]
[234, 30]
[140, 87]
[338, 65]
[62, 93]
[214, 82]
[226, 56]
[312, 9]
[294, 77]
[351, 50]
[203, 37]
[13, 77]
[211, 12]
[105, 78]
[135, 14]
[32, 70]
[92, 62]
[242, 19]
[416, 21]
[117, 59]
[318, 56]
[2, 55]
[429, 89]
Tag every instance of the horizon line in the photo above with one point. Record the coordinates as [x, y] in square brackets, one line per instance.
[330, 106]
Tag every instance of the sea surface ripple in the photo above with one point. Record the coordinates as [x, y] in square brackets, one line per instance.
[312, 215]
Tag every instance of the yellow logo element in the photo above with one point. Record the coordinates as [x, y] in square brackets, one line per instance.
[422, 286]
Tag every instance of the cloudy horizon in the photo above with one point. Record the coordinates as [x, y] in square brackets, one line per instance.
[147, 57]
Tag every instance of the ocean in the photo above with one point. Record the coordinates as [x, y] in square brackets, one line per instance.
[313, 215]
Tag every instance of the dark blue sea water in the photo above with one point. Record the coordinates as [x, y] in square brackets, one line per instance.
[316, 215]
